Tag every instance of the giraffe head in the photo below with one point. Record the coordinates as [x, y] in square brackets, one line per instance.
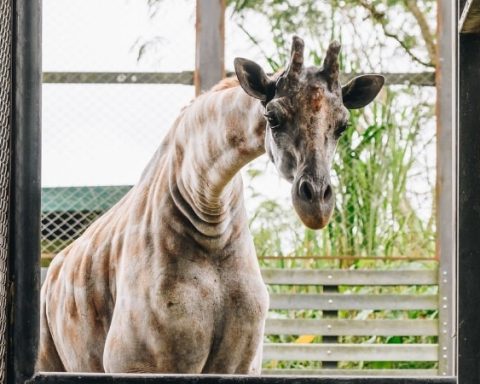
[306, 110]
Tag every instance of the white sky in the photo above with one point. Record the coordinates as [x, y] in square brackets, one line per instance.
[92, 35]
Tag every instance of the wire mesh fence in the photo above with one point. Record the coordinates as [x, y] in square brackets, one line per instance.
[109, 96]
[5, 129]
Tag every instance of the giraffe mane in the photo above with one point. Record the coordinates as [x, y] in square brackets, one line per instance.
[232, 81]
[229, 82]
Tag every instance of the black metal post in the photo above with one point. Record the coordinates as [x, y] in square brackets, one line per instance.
[24, 249]
[64, 378]
[469, 209]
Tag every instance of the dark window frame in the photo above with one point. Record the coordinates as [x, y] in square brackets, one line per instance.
[24, 234]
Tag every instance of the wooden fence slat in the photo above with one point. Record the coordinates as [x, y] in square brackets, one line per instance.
[351, 352]
[349, 277]
[347, 327]
[352, 372]
[352, 301]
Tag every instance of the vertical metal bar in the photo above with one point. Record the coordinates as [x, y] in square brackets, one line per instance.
[330, 339]
[210, 44]
[24, 247]
[445, 82]
[468, 219]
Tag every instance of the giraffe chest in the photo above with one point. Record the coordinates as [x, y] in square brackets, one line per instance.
[220, 299]
[205, 321]
[238, 334]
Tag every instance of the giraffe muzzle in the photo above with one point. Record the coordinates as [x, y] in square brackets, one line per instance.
[313, 201]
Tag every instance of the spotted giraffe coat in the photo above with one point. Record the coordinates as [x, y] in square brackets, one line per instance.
[167, 280]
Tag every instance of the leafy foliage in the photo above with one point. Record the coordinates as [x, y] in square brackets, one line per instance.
[408, 23]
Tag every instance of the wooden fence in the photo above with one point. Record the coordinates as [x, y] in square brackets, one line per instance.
[352, 352]
[306, 330]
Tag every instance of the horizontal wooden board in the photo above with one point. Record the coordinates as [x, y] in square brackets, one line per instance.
[347, 327]
[351, 352]
[351, 372]
[348, 277]
[340, 277]
[338, 301]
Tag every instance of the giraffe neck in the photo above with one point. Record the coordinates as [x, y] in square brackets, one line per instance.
[219, 133]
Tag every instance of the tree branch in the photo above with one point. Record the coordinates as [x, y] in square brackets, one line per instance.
[412, 6]
[273, 64]
[379, 17]
[407, 49]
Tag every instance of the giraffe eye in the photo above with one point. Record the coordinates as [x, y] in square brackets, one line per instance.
[272, 120]
[341, 129]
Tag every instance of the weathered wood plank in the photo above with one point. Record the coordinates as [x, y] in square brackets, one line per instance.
[352, 372]
[210, 44]
[349, 277]
[351, 352]
[352, 302]
[470, 18]
[446, 184]
[347, 327]
[467, 255]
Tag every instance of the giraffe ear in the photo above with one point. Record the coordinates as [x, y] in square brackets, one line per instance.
[361, 90]
[253, 79]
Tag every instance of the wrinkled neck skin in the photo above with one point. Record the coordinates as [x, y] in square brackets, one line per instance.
[214, 137]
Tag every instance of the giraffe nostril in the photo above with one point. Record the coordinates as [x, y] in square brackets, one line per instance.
[306, 191]
[327, 194]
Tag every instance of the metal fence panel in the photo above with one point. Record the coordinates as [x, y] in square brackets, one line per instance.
[5, 129]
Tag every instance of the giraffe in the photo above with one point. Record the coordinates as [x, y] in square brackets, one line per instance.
[167, 280]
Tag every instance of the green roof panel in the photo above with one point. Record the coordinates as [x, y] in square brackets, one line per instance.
[76, 199]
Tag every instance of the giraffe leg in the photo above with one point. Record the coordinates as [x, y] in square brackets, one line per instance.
[256, 367]
[48, 359]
